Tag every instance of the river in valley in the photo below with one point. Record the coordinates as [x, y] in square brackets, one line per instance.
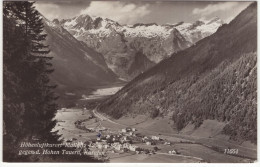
[99, 93]
[67, 117]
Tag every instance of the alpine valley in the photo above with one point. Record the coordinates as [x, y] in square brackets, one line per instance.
[192, 86]
[85, 88]
[215, 79]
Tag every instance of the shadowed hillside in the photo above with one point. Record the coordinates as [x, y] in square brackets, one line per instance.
[77, 67]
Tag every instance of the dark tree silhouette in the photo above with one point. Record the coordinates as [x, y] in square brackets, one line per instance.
[29, 100]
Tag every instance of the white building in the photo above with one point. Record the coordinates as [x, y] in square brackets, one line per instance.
[172, 152]
[124, 130]
[126, 145]
[155, 138]
[132, 147]
[133, 129]
[167, 143]
[148, 143]
[118, 147]
[105, 146]
[99, 146]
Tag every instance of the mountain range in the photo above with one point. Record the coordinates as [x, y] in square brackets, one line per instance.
[129, 50]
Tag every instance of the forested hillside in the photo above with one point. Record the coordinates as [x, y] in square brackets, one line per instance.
[214, 79]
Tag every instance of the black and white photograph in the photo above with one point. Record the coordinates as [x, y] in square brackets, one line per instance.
[129, 81]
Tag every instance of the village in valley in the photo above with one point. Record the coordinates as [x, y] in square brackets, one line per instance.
[105, 143]
[130, 140]
[127, 140]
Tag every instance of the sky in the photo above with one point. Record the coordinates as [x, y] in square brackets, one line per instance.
[132, 12]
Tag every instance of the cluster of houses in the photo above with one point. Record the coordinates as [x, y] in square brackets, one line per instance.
[151, 140]
[148, 140]
[113, 143]
[124, 147]
[122, 141]
[116, 146]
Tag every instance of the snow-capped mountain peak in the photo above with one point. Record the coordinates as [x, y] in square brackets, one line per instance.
[83, 25]
[202, 28]
[121, 44]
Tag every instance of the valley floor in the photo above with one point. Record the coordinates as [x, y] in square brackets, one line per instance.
[152, 140]
[187, 147]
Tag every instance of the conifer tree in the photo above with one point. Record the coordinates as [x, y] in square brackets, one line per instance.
[29, 100]
[13, 106]
[40, 97]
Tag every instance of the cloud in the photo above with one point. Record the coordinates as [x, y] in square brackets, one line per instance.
[60, 10]
[63, 3]
[212, 8]
[126, 13]
[50, 11]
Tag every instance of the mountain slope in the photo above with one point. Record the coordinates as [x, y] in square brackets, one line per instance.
[214, 79]
[120, 44]
[77, 67]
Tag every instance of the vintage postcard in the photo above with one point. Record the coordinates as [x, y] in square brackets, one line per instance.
[129, 81]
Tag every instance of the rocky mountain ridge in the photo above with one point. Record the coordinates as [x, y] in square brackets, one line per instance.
[121, 44]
